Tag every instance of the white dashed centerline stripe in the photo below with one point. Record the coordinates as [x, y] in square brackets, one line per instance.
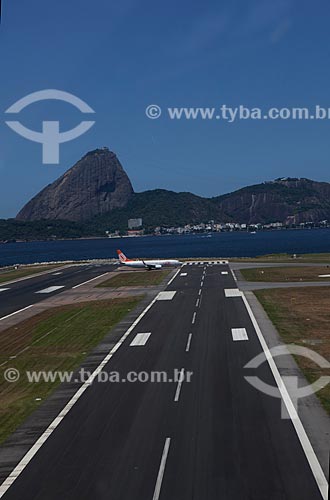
[89, 281]
[140, 339]
[239, 334]
[189, 342]
[200, 291]
[197, 302]
[179, 387]
[193, 318]
[161, 470]
[16, 312]
[51, 289]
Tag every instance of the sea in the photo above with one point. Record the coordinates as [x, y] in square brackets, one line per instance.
[231, 244]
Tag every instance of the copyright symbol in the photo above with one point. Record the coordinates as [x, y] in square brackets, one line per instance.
[153, 111]
[12, 375]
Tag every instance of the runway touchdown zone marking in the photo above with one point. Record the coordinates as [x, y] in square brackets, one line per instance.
[165, 295]
[50, 289]
[140, 339]
[239, 334]
[233, 292]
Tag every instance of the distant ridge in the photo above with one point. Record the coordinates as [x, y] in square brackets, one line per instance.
[97, 190]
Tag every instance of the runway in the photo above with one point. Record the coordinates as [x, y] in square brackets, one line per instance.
[20, 294]
[213, 437]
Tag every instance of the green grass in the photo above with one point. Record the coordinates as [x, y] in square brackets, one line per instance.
[301, 316]
[284, 274]
[22, 272]
[56, 340]
[285, 257]
[135, 278]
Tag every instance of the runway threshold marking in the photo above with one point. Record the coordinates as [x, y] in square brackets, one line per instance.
[306, 445]
[188, 342]
[4, 487]
[16, 312]
[89, 281]
[161, 472]
[179, 386]
[239, 334]
[51, 289]
[140, 339]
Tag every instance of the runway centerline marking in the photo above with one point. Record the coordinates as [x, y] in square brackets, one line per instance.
[197, 302]
[200, 291]
[193, 318]
[189, 342]
[161, 472]
[51, 289]
[179, 387]
[89, 281]
[239, 334]
[140, 339]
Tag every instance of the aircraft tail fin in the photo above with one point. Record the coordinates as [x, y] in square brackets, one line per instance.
[122, 256]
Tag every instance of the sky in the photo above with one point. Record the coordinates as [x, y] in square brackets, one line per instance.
[120, 57]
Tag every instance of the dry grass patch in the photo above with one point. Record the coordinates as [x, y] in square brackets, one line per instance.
[24, 271]
[56, 340]
[302, 317]
[283, 274]
[135, 278]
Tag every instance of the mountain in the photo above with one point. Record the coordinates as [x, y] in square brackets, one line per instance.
[95, 185]
[287, 200]
[98, 193]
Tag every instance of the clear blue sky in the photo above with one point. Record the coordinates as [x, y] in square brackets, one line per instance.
[121, 56]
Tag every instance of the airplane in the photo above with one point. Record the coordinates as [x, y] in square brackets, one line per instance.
[148, 264]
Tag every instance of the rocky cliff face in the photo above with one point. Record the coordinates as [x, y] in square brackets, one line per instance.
[283, 200]
[95, 185]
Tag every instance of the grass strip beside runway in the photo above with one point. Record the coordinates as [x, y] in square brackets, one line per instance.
[301, 316]
[58, 339]
[135, 278]
[284, 274]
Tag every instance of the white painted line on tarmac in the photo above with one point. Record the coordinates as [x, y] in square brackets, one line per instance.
[183, 274]
[239, 334]
[201, 283]
[324, 275]
[200, 291]
[299, 428]
[179, 387]
[56, 274]
[56, 422]
[16, 312]
[234, 275]
[161, 472]
[4, 289]
[165, 295]
[197, 302]
[173, 277]
[233, 292]
[89, 281]
[189, 342]
[50, 289]
[193, 318]
[224, 272]
[140, 339]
